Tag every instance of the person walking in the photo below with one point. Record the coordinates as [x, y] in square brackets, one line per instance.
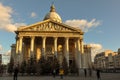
[98, 74]
[61, 73]
[54, 73]
[90, 72]
[85, 72]
[15, 73]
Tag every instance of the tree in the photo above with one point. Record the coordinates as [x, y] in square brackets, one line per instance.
[31, 66]
[3, 69]
[11, 66]
[28, 67]
[55, 65]
[47, 67]
[41, 65]
[73, 67]
[65, 66]
[23, 67]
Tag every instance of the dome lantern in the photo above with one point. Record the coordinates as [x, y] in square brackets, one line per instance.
[52, 8]
[53, 15]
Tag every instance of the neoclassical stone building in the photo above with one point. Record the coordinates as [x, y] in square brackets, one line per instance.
[50, 38]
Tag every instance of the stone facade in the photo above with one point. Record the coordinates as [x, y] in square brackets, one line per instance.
[51, 38]
[106, 60]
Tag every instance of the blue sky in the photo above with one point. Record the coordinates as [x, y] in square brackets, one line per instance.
[99, 19]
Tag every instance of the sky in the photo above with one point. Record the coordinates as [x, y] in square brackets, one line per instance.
[99, 19]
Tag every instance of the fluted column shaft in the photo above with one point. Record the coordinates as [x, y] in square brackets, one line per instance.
[17, 44]
[32, 46]
[55, 46]
[19, 56]
[20, 44]
[67, 50]
[43, 46]
[81, 46]
[79, 58]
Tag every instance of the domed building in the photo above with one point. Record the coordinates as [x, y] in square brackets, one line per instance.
[50, 38]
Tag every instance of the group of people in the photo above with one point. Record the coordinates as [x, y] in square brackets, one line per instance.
[90, 73]
[61, 73]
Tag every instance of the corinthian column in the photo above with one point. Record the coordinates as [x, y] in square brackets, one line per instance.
[32, 46]
[43, 46]
[17, 44]
[81, 46]
[20, 55]
[67, 50]
[20, 45]
[79, 54]
[55, 46]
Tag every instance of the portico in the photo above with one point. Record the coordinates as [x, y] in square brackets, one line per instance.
[50, 38]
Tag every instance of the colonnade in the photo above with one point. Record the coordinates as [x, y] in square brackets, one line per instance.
[78, 42]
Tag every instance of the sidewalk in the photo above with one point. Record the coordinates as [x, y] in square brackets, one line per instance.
[104, 76]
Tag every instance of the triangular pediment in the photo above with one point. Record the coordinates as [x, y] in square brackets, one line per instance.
[49, 25]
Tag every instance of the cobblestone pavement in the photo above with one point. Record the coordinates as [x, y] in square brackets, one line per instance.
[104, 76]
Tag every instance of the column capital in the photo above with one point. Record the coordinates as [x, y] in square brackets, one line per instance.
[43, 36]
[33, 37]
[81, 39]
[16, 37]
[20, 37]
[66, 38]
[55, 37]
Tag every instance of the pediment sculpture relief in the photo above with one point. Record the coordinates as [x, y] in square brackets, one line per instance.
[48, 27]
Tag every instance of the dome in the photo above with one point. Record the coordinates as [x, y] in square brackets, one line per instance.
[53, 15]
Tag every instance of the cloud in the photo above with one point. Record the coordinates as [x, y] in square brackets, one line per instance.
[6, 21]
[96, 48]
[8, 53]
[33, 15]
[83, 24]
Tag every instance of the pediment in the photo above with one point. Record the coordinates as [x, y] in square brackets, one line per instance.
[49, 25]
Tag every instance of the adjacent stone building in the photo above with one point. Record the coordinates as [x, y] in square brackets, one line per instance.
[107, 60]
[87, 56]
[117, 59]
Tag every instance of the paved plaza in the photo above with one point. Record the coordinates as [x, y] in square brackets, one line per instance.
[104, 76]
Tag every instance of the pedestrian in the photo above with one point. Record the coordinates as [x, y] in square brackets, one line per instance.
[98, 74]
[54, 73]
[90, 72]
[15, 73]
[61, 73]
[85, 72]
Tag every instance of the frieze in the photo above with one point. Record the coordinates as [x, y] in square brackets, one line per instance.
[48, 26]
[50, 34]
